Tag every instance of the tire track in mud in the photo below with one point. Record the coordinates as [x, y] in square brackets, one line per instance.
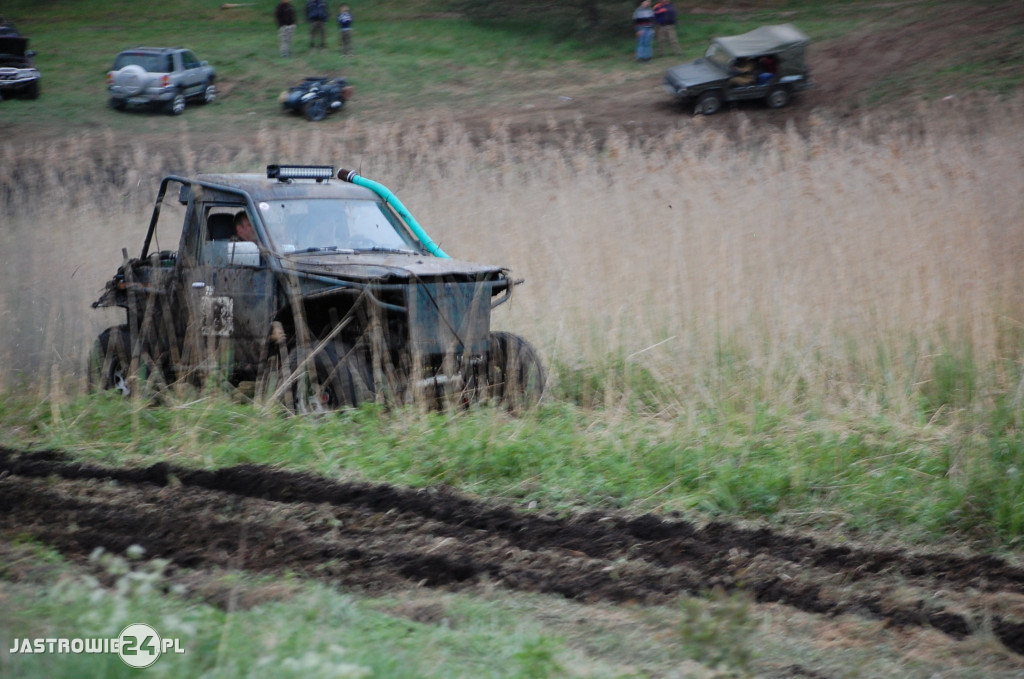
[378, 537]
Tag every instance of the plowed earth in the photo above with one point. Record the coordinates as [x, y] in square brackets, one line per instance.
[381, 538]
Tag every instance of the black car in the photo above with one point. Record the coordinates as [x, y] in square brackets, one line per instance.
[317, 96]
[18, 75]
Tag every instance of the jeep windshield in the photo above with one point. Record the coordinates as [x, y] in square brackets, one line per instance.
[719, 56]
[153, 63]
[335, 225]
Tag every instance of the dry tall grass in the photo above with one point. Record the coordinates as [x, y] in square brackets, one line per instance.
[825, 267]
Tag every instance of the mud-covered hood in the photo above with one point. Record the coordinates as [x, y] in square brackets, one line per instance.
[384, 267]
[696, 72]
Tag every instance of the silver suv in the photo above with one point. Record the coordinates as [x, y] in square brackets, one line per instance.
[164, 77]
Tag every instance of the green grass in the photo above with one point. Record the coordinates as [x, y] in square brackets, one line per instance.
[744, 457]
[408, 57]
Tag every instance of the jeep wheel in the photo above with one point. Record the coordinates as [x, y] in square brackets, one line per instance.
[117, 104]
[709, 103]
[514, 371]
[777, 98]
[109, 361]
[209, 93]
[32, 91]
[343, 380]
[177, 105]
[315, 109]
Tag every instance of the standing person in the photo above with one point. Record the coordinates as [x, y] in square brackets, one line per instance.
[345, 27]
[665, 27]
[284, 13]
[316, 14]
[643, 23]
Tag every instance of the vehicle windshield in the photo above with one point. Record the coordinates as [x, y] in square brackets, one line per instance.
[330, 225]
[153, 63]
[718, 55]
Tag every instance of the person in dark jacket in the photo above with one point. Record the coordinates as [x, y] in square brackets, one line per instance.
[284, 13]
[316, 14]
[665, 27]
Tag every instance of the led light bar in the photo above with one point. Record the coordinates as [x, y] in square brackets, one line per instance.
[286, 172]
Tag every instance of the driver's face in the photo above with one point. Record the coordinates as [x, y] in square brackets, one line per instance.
[245, 230]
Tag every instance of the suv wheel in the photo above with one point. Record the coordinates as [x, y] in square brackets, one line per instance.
[209, 93]
[117, 104]
[709, 103]
[777, 98]
[177, 105]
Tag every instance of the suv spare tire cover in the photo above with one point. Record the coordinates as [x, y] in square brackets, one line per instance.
[132, 78]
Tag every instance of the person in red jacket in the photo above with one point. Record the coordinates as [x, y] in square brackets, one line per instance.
[665, 27]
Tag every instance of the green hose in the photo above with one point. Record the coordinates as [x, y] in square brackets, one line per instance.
[392, 200]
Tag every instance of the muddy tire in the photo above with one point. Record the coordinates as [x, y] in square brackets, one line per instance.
[777, 98]
[110, 360]
[515, 373]
[709, 103]
[343, 380]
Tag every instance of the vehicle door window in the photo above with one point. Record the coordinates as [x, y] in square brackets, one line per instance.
[189, 60]
[220, 245]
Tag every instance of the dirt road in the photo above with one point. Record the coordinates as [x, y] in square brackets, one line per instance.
[381, 538]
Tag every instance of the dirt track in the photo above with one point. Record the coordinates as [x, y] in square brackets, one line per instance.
[379, 538]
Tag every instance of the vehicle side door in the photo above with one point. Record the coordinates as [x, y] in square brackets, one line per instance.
[230, 293]
[191, 73]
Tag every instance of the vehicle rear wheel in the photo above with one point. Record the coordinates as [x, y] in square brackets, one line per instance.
[709, 103]
[515, 373]
[777, 98]
[315, 109]
[342, 380]
[110, 360]
[177, 105]
[117, 104]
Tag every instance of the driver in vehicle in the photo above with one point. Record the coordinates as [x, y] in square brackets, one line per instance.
[243, 228]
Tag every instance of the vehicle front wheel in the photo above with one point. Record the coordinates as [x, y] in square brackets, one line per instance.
[209, 93]
[777, 98]
[709, 103]
[177, 105]
[315, 109]
[32, 91]
[110, 360]
[514, 371]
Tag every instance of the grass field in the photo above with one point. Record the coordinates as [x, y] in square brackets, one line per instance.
[819, 329]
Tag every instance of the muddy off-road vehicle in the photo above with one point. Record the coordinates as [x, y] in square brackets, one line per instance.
[341, 299]
[767, 63]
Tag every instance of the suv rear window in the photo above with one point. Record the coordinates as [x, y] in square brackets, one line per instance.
[153, 63]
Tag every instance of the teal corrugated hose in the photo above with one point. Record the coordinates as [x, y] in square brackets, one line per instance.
[392, 200]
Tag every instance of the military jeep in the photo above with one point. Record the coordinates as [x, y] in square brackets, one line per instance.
[342, 298]
[768, 63]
